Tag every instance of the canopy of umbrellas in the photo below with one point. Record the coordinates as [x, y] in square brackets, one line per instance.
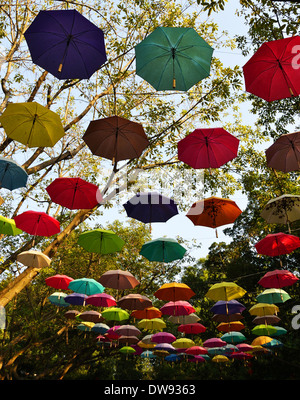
[146, 334]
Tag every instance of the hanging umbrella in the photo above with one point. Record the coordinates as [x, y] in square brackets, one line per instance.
[279, 331]
[284, 153]
[71, 314]
[173, 358]
[12, 175]
[162, 249]
[8, 227]
[100, 241]
[261, 340]
[128, 339]
[112, 334]
[86, 286]
[59, 281]
[165, 346]
[58, 299]
[213, 212]
[73, 193]
[219, 358]
[101, 300]
[34, 258]
[227, 307]
[118, 279]
[244, 347]
[152, 324]
[90, 316]
[174, 291]
[100, 327]
[214, 342]
[115, 314]
[184, 319]
[72, 46]
[37, 223]
[32, 124]
[278, 278]
[225, 291]
[261, 330]
[180, 307]
[163, 337]
[282, 210]
[134, 301]
[241, 356]
[86, 326]
[148, 354]
[231, 326]
[116, 138]
[183, 343]
[147, 313]
[146, 342]
[273, 296]
[273, 343]
[77, 299]
[266, 319]
[208, 148]
[173, 58]
[261, 309]
[227, 318]
[150, 207]
[270, 73]
[128, 330]
[233, 337]
[196, 350]
[196, 359]
[193, 329]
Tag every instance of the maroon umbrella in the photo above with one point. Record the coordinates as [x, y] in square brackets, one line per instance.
[116, 138]
[37, 223]
[284, 153]
[208, 148]
[134, 301]
[277, 279]
[271, 73]
[192, 328]
[91, 316]
[74, 193]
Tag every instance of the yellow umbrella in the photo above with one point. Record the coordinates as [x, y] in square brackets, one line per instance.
[261, 309]
[225, 291]
[32, 124]
[260, 340]
[152, 324]
[183, 343]
[219, 358]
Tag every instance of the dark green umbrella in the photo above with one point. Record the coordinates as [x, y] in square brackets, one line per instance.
[100, 241]
[173, 58]
[162, 249]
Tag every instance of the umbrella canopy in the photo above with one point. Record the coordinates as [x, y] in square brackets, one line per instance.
[134, 301]
[261, 330]
[59, 281]
[72, 46]
[230, 326]
[196, 350]
[12, 175]
[34, 258]
[278, 278]
[270, 73]
[273, 296]
[73, 193]
[164, 346]
[244, 347]
[37, 223]
[213, 212]
[100, 241]
[90, 316]
[150, 207]
[100, 327]
[261, 340]
[147, 313]
[101, 300]
[116, 138]
[179, 307]
[128, 330]
[163, 249]
[225, 291]
[8, 226]
[77, 299]
[282, 210]
[128, 339]
[118, 279]
[276, 244]
[261, 309]
[193, 329]
[86, 286]
[174, 291]
[266, 319]
[227, 307]
[214, 342]
[173, 58]
[219, 358]
[233, 337]
[284, 153]
[115, 314]
[112, 334]
[227, 318]
[148, 354]
[32, 124]
[163, 337]
[58, 299]
[183, 343]
[184, 319]
[71, 314]
[208, 148]
[152, 324]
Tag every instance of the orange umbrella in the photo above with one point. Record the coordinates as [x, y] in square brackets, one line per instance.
[174, 291]
[213, 212]
[235, 326]
[147, 313]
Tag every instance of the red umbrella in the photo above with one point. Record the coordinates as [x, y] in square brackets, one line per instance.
[277, 279]
[58, 281]
[196, 350]
[74, 193]
[179, 307]
[208, 148]
[270, 73]
[284, 153]
[37, 223]
[101, 300]
[192, 328]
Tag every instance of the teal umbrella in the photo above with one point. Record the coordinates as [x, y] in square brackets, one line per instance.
[58, 299]
[173, 58]
[273, 296]
[233, 337]
[100, 241]
[86, 286]
[162, 249]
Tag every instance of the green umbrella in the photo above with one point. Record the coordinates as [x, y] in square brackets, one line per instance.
[8, 226]
[127, 350]
[233, 337]
[32, 124]
[273, 296]
[173, 58]
[115, 314]
[100, 241]
[162, 249]
[264, 330]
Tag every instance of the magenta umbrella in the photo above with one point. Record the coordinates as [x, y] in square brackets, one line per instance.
[163, 337]
[101, 300]
[214, 342]
[179, 307]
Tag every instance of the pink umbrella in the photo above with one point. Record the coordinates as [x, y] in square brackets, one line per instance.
[214, 342]
[179, 307]
[101, 300]
[163, 337]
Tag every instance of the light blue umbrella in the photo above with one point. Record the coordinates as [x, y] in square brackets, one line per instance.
[173, 357]
[86, 286]
[58, 299]
[148, 354]
[12, 175]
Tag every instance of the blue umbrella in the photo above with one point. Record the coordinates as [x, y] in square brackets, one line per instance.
[150, 207]
[12, 175]
[66, 44]
[100, 328]
[76, 299]
[86, 286]
[173, 357]
[227, 307]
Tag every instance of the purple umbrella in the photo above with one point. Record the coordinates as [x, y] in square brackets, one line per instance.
[163, 337]
[164, 346]
[227, 307]
[150, 207]
[66, 44]
[76, 299]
